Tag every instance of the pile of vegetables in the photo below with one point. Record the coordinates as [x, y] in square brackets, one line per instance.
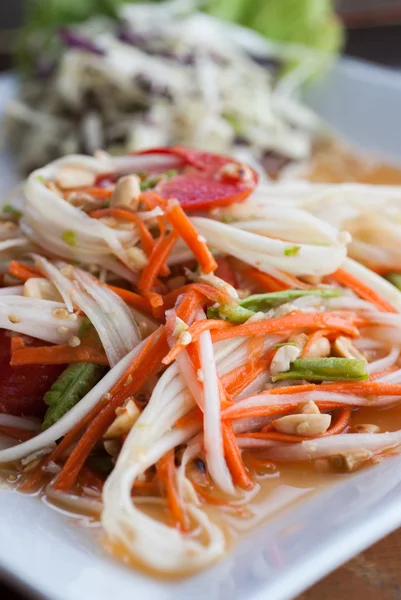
[173, 338]
[124, 76]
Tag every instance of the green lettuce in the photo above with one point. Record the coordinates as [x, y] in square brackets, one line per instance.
[307, 22]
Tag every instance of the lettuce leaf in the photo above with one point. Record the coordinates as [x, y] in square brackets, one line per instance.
[307, 22]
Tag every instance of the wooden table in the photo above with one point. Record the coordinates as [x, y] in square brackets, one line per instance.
[372, 575]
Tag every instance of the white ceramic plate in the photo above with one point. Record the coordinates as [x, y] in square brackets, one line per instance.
[51, 555]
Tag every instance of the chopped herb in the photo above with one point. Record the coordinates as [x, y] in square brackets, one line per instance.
[72, 385]
[171, 173]
[41, 179]
[326, 369]
[148, 184]
[292, 250]
[13, 212]
[69, 237]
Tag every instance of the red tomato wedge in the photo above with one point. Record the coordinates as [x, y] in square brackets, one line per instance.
[22, 388]
[226, 272]
[210, 179]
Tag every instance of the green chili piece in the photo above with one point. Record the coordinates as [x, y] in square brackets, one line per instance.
[271, 300]
[325, 369]
[72, 385]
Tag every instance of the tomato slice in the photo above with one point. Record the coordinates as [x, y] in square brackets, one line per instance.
[200, 193]
[226, 272]
[22, 388]
[213, 180]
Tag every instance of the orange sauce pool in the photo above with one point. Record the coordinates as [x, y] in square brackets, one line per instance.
[333, 163]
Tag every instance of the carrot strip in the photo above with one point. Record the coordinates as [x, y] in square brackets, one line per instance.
[99, 192]
[195, 331]
[379, 374]
[316, 335]
[267, 282]
[155, 300]
[36, 476]
[166, 472]
[234, 459]
[156, 261]
[207, 291]
[288, 323]
[146, 488]
[146, 364]
[195, 415]
[189, 305]
[132, 299]
[56, 355]
[237, 380]
[361, 289]
[222, 330]
[270, 283]
[22, 271]
[184, 228]
[147, 240]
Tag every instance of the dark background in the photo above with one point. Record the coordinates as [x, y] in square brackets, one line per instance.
[374, 34]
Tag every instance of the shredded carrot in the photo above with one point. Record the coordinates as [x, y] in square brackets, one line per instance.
[155, 300]
[166, 472]
[207, 291]
[194, 416]
[156, 261]
[238, 379]
[22, 271]
[270, 283]
[379, 374]
[361, 289]
[316, 335]
[222, 330]
[98, 192]
[147, 240]
[146, 488]
[132, 299]
[288, 323]
[144, 366]
[233, 458]
[56, 355]
[35, 477]
[266, 282]
[184, 228]
[225, 398]
[195, 331]
[189, 306]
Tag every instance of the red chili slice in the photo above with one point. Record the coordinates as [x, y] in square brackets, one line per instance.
[214, 180]
[22, 388]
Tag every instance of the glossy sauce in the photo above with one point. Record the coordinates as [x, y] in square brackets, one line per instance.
[335, 164]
